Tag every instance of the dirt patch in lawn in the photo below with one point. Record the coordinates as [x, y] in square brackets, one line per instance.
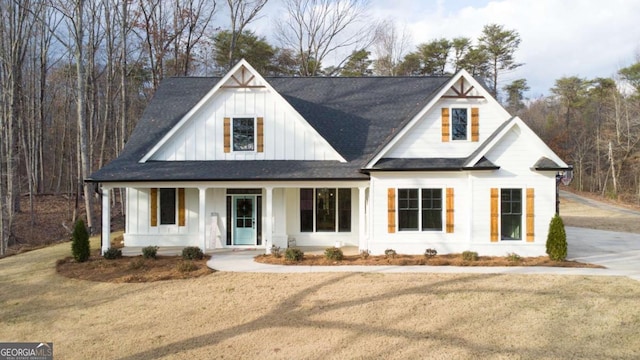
[437, 260]
[133, 269]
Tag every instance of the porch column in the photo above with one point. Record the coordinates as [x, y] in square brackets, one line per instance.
[202, 218]
[106, 219]
[268, 225]
[362, 223]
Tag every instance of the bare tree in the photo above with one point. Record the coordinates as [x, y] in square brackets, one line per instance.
[319, 28]
[242, 12]
[390, 47]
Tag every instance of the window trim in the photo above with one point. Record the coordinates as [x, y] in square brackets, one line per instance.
[255, 133]
[337, 210]
[420, 227]
[468, 125]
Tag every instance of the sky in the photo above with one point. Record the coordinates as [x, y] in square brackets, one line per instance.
[584, 38]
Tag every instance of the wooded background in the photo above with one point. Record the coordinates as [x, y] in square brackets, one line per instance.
[75, 76]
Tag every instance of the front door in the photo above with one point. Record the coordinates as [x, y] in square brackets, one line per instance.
[245, 231]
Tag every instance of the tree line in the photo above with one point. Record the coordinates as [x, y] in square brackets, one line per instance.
[75, 76]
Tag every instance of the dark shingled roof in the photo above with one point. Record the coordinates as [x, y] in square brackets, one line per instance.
[431, 164]
[544, 163]
[357, 116]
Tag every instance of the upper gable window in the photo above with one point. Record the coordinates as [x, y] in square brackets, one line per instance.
[459, 121]
[244, 134]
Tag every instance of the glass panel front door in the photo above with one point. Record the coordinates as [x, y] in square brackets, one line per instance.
[244, 220]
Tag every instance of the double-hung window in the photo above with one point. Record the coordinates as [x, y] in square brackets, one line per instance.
[325, 210]
[167, 206]
[244, 134]
[511, 214]
[420, 209]
[459, 123]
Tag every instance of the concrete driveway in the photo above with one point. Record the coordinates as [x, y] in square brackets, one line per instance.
[617, 251]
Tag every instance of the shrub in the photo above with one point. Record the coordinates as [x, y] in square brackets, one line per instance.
[390, 253]
[364, 254]
[186, 266]
[276, 251]
[112, 253]
[430, 253]
[192, 253]
[513, 257]
[469, 255]
[557, 239]
[333, 253]
[149, 252]
[80, 242]
[137, 264]
[293, 254]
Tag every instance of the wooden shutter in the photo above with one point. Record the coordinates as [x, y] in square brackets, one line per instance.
[153, 209]
[181, 213]
[445, 124]
[450, 210]
[227, 134]
[530, 215]
[475, 124]
[494, 214]
[391, 206]
[260, 134]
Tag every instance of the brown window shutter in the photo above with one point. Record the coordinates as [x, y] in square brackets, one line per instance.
[530, 215]
[153, 211]
[391, 206]
[445, 124]
[450, 210]
[181, 213]
[494, 214]
[475, 124]
[260, 134]
[227, 134]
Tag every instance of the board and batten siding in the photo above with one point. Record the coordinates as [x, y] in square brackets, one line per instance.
[426, 137]
[286, 135]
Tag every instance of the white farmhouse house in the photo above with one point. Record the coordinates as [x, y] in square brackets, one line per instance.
[407, 163]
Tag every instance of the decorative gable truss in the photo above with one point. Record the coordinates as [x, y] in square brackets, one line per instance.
[242, 118]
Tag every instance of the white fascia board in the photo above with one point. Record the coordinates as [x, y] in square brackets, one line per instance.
[455, 78]
[213, 91]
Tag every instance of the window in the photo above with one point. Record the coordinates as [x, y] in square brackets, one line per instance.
[244, 134]
[167, 206]
[511, 214]
[459, 124]
[420, 209]
[325, 210]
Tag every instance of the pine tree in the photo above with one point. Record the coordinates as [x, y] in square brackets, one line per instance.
[557, 240]
[80, 242]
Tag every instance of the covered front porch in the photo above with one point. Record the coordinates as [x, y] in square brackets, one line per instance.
[239, 215]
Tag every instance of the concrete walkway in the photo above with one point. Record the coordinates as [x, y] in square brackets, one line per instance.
[619, 252]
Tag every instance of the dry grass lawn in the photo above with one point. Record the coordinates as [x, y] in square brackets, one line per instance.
[319, 316]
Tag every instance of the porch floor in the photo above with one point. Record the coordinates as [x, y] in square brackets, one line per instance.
[177, 250]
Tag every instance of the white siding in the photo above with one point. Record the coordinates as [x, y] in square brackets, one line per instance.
[425, 138]
[287, 136]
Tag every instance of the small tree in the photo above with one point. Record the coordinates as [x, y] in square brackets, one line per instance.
[557, 240]
[80, 242]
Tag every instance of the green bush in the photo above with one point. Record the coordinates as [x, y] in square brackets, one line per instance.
[333, 253]
[557, 239]
[469, 255]
[80, 242]
[192, 253]
[364, 254]
[149, 252]
[513, 257]
[430, 253]
[390, 253]
[112, 253]
[186, 266]
[293, 254]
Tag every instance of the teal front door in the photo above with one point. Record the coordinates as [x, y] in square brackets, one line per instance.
[244, 220]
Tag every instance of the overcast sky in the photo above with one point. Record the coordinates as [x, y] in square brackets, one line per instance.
[585, 38]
